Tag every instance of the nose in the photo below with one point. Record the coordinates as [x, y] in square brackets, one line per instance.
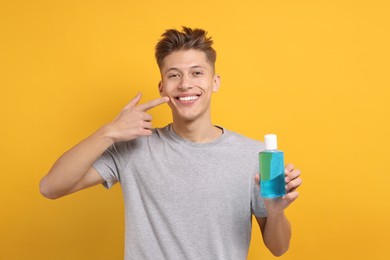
[185, 83]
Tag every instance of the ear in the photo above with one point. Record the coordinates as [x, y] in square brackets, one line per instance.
[216, 82]
[160, 88]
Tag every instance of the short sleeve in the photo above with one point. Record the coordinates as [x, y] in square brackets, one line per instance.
[110, 164]
[257, 202]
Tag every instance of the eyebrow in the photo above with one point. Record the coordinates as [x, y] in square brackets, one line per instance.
[192, 67]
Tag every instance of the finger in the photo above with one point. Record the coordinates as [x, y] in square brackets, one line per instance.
[145, 132]
[292, 175]
[147, 125]
[134, 101]
[146, 117]
[289, 167]
[292, 185]
[257, 178]
[291, 196]
[153, 103]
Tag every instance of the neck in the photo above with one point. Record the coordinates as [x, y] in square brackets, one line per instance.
[199, 132]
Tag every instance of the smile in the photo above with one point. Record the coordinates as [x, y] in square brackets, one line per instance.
[188, 98]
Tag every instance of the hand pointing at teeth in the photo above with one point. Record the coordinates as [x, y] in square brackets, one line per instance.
[133, 121]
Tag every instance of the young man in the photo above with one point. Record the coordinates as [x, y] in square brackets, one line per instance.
[190, 188]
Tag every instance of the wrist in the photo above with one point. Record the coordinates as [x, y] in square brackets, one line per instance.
[106, 135]
[275, 214]
[272, 208]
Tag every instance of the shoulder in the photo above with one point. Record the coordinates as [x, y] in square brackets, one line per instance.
[242, 141]
[159, 136]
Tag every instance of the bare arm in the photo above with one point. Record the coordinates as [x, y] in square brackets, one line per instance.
[276, 231]
[73, 170]
[275, 228]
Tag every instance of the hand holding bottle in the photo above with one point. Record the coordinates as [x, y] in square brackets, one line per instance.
[292, 182]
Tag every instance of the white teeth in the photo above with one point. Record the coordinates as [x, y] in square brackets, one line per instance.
[188, 98]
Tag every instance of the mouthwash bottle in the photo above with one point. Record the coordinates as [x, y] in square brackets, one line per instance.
[272, 183]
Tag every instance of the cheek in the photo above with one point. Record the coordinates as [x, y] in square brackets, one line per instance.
[170, 84]
[201, 82]
[206, 86]
[164, 88]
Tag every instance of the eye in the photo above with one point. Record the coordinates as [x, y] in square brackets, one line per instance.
[197, 73]
[173, 76]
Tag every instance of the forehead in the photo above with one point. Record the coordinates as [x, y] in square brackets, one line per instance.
[185, 59]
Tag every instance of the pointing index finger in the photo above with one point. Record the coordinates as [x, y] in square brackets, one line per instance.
[151, 104]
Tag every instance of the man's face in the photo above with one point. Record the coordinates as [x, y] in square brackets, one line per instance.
[188, 80]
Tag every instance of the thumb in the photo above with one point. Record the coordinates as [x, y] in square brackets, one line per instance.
[134, 101]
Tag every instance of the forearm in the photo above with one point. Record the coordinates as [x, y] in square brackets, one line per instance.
[277, 233]
[67, 173]
[275, 228]
[70, 168]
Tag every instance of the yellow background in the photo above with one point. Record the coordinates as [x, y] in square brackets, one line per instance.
[314, 72]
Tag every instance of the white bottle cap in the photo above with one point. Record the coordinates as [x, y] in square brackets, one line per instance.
[271, 142]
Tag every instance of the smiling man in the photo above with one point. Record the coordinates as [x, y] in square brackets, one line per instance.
[190, 188]
[188, 79]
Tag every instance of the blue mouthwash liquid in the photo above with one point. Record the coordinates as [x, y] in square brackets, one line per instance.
[272, 183]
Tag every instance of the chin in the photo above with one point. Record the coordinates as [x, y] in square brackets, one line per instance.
[189, 115]
[186, 117]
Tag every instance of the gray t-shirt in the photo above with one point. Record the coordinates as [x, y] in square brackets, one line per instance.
[186, 200]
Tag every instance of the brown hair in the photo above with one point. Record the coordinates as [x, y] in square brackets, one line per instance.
[173, 40]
